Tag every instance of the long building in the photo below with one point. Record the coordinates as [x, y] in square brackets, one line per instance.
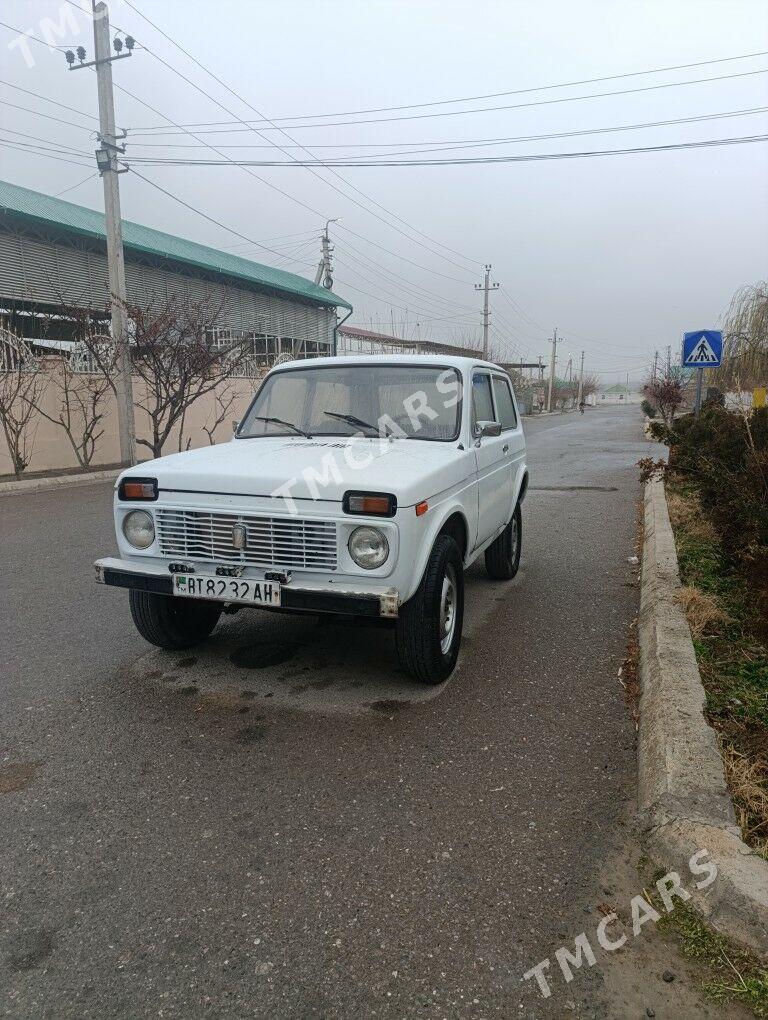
[53, 256]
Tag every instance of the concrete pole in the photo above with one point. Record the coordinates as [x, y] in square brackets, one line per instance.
[552, 370]
[581, 377]
[485, 312]
[486, 287]
[113, 223]
[324, 273]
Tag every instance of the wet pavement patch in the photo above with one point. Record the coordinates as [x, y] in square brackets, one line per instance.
[186, 663]
[30, 949]
[17, 776]
[250, 735]
[389, 705]
[191, 689]
[264, 654]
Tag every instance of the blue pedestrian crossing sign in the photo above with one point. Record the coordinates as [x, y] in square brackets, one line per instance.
[702, 349]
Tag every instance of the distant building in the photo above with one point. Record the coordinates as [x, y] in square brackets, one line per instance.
[617, 394]
[53, 256]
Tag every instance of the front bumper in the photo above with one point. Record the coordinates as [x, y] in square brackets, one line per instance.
[347, 601]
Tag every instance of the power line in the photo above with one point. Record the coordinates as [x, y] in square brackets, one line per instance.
[414, 306]
[348, 230]
[470, 160]
[34, 38]
[46, 99]
[79, 184]
[200, 212]
[347, 246]
[499, 95]
[496, 109]
[415, 148]
[25, 147]
[46, 141]
[47, 116]
[315, 159]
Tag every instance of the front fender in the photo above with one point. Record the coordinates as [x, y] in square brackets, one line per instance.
[429, 527]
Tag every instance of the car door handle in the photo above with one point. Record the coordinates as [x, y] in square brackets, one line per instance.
[505, 448]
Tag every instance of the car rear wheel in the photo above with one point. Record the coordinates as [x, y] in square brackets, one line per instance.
[502, 557]
[170, 622]
[429, 625]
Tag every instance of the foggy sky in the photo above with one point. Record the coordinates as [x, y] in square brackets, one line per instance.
[621, 253]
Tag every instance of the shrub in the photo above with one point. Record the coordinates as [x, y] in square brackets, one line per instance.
[648, 409]
[726, 454]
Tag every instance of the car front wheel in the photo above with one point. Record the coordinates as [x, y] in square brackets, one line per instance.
[170, 622]
[429, 626]
[502, 557]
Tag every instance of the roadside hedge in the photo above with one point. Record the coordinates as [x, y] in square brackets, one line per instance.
[726, 454]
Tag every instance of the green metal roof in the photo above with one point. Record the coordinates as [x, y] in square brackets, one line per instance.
[35, 207]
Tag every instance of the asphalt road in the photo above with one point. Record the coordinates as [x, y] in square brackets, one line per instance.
[185, 838]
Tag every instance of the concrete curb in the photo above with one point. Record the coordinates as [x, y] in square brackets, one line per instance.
[683, 798]
[23, 485]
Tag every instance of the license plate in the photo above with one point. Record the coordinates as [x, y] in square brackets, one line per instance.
[227, 589]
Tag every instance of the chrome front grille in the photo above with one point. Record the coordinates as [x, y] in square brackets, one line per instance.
[269, 541]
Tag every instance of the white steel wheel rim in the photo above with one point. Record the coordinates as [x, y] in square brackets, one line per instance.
[448, 596]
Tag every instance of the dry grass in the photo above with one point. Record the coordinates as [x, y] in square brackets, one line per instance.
[687, 514]
[748, 781]
[703, 611]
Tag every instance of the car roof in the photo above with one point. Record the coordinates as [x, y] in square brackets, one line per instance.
[426, 360]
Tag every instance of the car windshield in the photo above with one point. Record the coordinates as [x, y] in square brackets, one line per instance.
[405, 401]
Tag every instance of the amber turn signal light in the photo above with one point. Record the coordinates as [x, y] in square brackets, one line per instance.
[138, 489]
[378, 504]
[421, 508]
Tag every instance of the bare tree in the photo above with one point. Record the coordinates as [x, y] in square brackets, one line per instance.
[21, 384]
[179, 360]
[224, 399]
[666, 393]
[590, 385]
[83, 380]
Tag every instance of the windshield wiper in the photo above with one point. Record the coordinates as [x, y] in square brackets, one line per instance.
[352, 419]
[279, 421]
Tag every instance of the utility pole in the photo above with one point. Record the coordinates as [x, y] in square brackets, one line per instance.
[324, 272]
[486, 287]
[107, 163]
[669, 361]
[552, 370]
[655, 364]
[581, 377]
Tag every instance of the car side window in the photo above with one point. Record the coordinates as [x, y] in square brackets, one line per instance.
[505, 405]
[482, 402]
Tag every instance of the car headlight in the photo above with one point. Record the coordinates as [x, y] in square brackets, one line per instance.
[139, 529]
[368, 547]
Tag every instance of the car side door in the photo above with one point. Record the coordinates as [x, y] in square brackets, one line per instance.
[493, 475]
[513, 446]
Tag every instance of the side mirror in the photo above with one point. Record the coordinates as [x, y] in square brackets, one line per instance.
[235, 426]
[486, 428]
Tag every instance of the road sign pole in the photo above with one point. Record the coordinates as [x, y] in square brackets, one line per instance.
[699, 379]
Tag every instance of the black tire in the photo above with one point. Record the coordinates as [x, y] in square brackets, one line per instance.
[170, 622]
[502, 557]
[425, 651]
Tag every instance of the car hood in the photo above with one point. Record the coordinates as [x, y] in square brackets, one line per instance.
[319, 468]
